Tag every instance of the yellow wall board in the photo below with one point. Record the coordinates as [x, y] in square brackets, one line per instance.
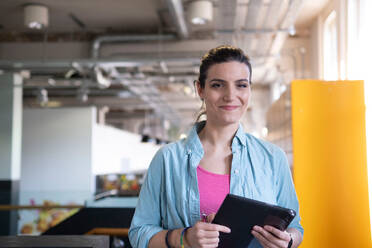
[329, 162]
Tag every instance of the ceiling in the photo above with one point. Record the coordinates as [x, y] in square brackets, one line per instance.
[147, 51]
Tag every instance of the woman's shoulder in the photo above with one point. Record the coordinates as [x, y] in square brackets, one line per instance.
[263, 145]
[264, 150]
[167, 156]
[172, 148]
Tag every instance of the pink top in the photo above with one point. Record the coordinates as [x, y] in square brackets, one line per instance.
[212, 190]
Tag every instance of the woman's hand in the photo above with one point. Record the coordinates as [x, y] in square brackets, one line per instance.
[270, 237]
[204, 234]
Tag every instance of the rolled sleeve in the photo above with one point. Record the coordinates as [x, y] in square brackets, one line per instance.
[286, 194]
[146, 221]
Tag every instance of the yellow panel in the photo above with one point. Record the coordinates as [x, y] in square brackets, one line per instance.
[330, 164]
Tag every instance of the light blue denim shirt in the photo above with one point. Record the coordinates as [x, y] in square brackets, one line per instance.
[169, 197]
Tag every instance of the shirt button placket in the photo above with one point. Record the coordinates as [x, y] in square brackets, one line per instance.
[234, 184]
[193, 198]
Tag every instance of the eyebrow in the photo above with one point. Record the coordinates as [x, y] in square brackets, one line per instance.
[222, 81]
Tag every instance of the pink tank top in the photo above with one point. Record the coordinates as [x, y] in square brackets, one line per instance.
[212, 190]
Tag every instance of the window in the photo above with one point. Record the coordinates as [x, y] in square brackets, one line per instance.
[359, 40]
[330, 71]
[353, 48]
[363, 72]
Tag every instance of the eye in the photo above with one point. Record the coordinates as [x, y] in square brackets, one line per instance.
[242, 85]
[216, 85]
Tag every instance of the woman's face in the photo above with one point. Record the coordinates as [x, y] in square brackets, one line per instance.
[226, 92]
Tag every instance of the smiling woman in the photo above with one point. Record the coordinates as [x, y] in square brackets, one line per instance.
[188, 180]
[226, 92]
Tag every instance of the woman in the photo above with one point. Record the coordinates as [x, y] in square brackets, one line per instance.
[188, 180]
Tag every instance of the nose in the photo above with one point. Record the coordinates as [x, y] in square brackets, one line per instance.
[229, 93]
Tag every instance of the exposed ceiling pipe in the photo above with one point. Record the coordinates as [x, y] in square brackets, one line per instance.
[117, 62]
[279, 39]
[226, 20]
[126, 38]
[148, 93]
[292, 12]
[288, 20]
[176, 10]
[253, 31]
[271, 21]
[255, 10]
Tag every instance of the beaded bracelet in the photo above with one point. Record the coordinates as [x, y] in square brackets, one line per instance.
[182, 234]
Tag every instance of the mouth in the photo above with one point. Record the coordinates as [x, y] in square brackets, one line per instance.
[229, 108]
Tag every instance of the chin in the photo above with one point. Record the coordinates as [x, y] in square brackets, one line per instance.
[228, 120]
[223, 118]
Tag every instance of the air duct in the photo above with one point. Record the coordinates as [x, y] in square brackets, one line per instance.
[126, 38]
[176, 10]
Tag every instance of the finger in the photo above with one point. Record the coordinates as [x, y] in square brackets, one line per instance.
[263, 241]
[210, 217]
[210, 245]
[269, 237]
[214, 227]
[208, 234]
[280, 234]
[210, 241]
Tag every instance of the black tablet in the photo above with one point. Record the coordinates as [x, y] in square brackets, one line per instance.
[240, 214]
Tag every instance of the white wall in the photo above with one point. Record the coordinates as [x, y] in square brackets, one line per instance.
[56, 152]
[118, 151]
[64, 149]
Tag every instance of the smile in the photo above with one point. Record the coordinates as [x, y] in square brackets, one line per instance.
[229, 108]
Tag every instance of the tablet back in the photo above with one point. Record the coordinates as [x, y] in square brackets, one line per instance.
[240, 214]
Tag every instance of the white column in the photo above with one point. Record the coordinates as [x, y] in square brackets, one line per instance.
[10, 126]
[10, 148]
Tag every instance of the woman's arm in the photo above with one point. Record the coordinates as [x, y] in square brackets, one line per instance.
[146, 221]
[200, 235]
[158, 240]
[146, 228]
[285, 191]
[286, 197]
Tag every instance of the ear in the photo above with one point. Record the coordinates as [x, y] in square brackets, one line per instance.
[199, 89]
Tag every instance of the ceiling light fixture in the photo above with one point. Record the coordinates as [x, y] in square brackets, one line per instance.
[36, 16]
[200, 12]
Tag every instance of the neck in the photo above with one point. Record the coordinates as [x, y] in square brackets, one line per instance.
[218, 136]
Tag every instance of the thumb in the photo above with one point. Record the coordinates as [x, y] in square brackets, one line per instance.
[210, 217]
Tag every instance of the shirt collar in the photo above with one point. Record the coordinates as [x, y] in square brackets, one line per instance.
[240, 135]
[193, 143]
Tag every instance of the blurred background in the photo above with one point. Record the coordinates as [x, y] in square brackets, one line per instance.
[90, 90]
